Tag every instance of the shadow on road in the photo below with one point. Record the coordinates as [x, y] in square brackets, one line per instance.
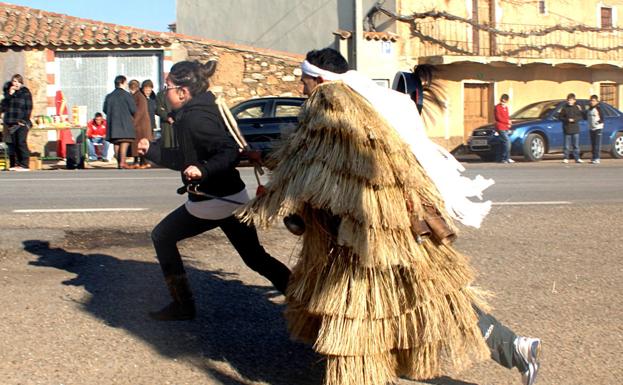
[239, 334]
[447, 381]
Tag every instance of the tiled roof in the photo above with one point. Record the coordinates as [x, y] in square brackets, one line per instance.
[385, 36]
[24, 26]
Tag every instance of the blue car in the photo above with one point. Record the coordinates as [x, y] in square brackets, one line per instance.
[537, 131]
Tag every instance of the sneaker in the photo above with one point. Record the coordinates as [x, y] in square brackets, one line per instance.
[19, 168]
[510, 161]
[579, 161]
[565, 161]
[595, 161]
[529, 349]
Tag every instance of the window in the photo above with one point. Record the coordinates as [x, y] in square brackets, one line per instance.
[542, 8]
[608, 93]
[283, 110]
[608, 111]
[85, 78]
[251, 111]
[606, 17]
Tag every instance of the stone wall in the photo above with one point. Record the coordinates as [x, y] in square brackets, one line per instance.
[244, 74]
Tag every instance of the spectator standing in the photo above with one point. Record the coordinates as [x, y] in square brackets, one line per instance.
[595, 117]
[142, 123]
[164, 111]
[570, 115]
[147, 88]
[119, 107]
[17, 107]
[502, 125]
[96, 136]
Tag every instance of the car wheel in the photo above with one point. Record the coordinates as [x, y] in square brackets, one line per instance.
[617, 146]
[487, 157]
[534, 147]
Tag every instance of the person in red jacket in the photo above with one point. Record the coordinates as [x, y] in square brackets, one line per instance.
[96, 136]
[502, 125]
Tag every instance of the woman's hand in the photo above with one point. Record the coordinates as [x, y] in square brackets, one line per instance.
[142, 147]
[192, 173]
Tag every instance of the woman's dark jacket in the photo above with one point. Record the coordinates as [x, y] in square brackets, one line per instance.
[152, 105]
[119, 107]
[204, 142]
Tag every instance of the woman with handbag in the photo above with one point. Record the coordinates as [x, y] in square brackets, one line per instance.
[207, 157]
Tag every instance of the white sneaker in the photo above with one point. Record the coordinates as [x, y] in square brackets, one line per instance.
[596, 161]
[565, 161]
[19, 168]
[529, 350]
[579, 161]
[510, 160]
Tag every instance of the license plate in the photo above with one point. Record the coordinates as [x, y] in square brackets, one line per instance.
[479, 142]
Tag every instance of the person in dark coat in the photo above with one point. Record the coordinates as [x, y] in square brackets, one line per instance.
[207, 158]
[142, 123]
[147, 88]
[164, 112]
[17, 107]
[120, 108]
[570, 115]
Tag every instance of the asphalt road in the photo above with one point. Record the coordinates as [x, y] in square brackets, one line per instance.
[154, 189]
[77, 285]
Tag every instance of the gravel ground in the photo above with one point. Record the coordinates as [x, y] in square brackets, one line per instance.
[75, 298]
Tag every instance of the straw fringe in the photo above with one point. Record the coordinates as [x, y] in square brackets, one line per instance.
[377, 303]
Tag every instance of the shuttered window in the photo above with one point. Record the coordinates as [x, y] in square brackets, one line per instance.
[608, 93]
[86, 78]
[606, 17]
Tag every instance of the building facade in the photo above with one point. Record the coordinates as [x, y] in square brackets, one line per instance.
[81, 58]
[284, 25]
[530, 50]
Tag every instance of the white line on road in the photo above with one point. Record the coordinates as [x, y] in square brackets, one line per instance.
[113, 209]
[531, 203]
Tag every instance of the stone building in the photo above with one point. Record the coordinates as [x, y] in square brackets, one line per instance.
[81, 57]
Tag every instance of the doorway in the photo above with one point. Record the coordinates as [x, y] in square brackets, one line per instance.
[477, 106]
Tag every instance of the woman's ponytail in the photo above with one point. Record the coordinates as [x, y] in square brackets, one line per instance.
[205, 72]
[193, 75]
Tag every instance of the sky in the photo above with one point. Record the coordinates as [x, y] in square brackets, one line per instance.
[154, 15]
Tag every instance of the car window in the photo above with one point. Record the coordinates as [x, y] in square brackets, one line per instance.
[283, 110]
[608, 110]
[252, 111]
[535, 110]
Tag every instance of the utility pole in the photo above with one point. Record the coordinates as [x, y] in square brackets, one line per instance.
[358, 38]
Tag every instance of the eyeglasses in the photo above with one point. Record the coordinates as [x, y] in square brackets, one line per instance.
[167, 87]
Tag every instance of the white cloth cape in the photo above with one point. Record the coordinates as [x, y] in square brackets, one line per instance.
[444, 170]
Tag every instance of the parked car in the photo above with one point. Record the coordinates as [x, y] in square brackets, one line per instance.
[263, 121]
[536, 131]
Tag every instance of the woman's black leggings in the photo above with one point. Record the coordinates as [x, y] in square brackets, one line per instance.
[180, 224]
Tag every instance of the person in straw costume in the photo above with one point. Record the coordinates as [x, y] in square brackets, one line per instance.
[378, 289]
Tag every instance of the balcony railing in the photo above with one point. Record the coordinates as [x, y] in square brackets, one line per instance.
[450, 37]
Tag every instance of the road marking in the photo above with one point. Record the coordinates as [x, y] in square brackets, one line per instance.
[112, 209]
[531, 203]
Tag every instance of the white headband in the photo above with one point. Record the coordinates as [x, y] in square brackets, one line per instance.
[313, 71]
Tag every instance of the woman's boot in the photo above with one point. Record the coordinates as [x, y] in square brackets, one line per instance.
[183, 306]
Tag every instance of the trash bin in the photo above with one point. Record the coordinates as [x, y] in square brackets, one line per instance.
[75, 158]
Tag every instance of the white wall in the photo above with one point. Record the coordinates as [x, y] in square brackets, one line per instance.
[286, 25]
